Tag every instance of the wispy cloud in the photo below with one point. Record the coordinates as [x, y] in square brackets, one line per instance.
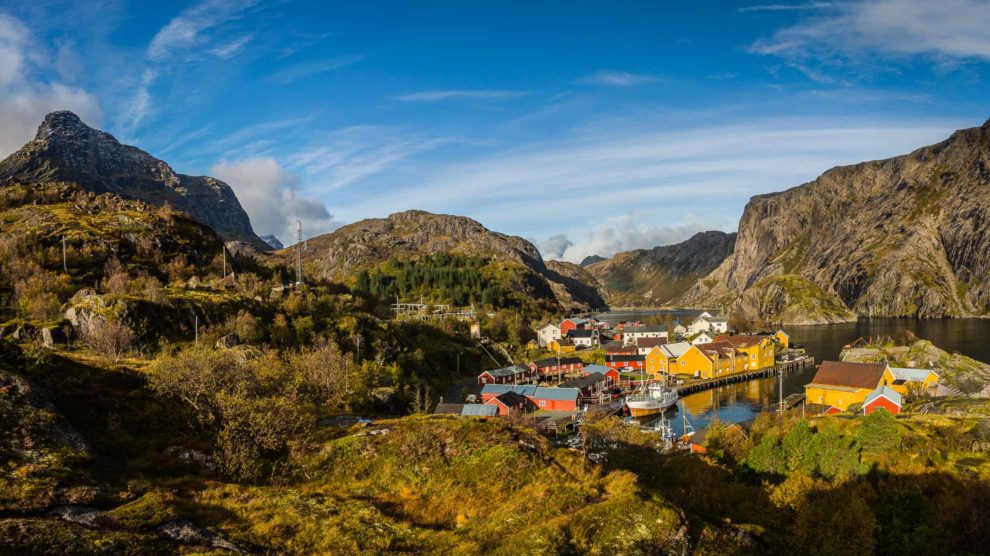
[188, 28]
[449, 94]
[788, 7]
[619, 78]
[306, 69]
[851, 34]
[231, 48]
[617, 234]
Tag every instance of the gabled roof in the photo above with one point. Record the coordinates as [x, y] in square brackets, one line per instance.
[583, 382]
[479, 410]
[883, 392]
[742, 341]
[649, 342]
[530, 391]
[643, 329]
[508, 371]
[552, 361]
[911, 374]
[511, 399]
[581, 333]
[624, 357]
[720, 348]
[576, 320]
[449, 408]
[849, 375]
[675, 349]
[593, 369]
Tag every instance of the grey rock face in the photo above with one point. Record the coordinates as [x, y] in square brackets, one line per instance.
[66, 149]
[906, 236]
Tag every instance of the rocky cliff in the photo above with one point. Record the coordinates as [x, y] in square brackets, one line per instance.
[907, 236]
[409, 234]
[659, 275]
[67, 150]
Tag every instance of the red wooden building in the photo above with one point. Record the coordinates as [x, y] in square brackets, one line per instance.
[567, 325]
[556, 399]
[622, 361]
[516, 374]
[551, 366]
[509, 403]
[882, 398]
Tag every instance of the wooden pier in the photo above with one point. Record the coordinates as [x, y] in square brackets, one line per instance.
[781, 368]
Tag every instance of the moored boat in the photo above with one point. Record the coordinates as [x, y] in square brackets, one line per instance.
[653, 399]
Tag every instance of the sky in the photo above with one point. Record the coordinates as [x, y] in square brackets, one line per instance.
[586, 127]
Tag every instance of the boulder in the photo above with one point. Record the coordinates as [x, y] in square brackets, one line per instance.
[186, 532]
[81, 515]
[228, 341]
[53, 335]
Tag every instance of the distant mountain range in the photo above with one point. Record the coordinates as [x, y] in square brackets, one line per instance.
[906, 236]
[67, 150]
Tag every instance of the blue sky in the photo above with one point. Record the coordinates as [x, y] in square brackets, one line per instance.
[587, 127]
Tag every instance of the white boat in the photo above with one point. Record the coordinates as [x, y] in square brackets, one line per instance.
[654, 398]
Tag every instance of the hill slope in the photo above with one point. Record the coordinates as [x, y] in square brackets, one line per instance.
[661, 274]
[906, 236]
[411, 234]
[67, 150]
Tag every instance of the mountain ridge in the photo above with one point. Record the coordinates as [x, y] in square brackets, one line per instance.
[65, 149]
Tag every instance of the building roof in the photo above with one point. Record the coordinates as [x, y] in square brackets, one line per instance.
[849, 375]
[511, 399]
[643, 329]
[449, 408]
[884, 392]
[621, 357]
[720, 348]
[583, 382]
[530, 391]
[741, 341]
[581, 333]
[552, 361]
[649, 342]
[592, 369]
[479, 410]
[508, 371]
[675, 349]
[908, 374]
[576, 320]
[549, 324]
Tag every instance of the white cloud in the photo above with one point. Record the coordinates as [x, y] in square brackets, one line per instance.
[788, 7]
[554, 246]
[231, 48]
[25, 98]
[619, 78]
[269, 195]
[474, 94]
[298, 71]
[848, 32]
[187, 30]
[620, 234]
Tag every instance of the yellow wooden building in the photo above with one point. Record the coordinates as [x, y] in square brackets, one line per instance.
[561, 346]
[839, 384]
[783, 339]
[679, 358]
[759, 352]
[910, 380]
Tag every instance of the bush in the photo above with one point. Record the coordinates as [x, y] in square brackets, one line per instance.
[879, 432]
[110, 338]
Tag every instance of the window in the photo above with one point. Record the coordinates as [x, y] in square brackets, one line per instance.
[543, 403]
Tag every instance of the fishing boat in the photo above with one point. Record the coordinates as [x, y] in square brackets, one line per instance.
[651, 399]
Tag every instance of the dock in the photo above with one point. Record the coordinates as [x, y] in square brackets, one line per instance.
[778, 369]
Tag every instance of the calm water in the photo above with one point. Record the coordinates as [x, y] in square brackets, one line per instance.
[741, 402]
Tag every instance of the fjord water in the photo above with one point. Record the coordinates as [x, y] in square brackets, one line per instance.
[741, 402]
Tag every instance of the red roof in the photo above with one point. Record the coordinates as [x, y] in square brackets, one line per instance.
[740, 341]
[850, 375]
[650, 342]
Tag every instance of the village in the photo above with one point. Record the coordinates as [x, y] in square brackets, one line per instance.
[590, 366]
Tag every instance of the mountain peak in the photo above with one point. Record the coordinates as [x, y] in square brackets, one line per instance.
[66, 149]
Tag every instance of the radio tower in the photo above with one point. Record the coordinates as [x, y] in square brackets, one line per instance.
[299, 246]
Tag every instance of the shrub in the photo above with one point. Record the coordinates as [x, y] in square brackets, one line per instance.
[110, 338]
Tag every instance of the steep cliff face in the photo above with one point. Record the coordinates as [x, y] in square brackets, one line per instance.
[67, 150]
[906, 236]
[660, 275]
[339, 254]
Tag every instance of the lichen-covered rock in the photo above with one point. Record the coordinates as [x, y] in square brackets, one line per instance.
[186, 533]
[228, 341]
[906, 236]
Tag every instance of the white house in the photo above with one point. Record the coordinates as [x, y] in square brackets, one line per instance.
[705, 322]
[583, 338]
[679, 329]
[547, 333]
[702, 337]
[631, 334]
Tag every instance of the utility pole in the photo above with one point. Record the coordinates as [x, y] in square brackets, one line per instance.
[299, 246]
[196, 328]
[65, 266]
[459, 363]
[780, 388]
[224, 251]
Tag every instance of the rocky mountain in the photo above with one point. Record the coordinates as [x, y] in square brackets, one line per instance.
[907, 236]
[592, 259]
[67, 150]
[362, 245]
[272, 241]
[660, 275]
